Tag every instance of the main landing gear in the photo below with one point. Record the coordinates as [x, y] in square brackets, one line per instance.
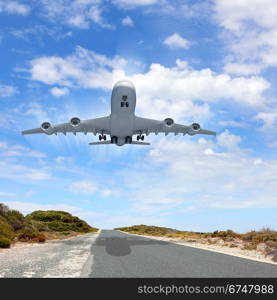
[114, 139]
[102, 137]
[128, 140]
[140, 137]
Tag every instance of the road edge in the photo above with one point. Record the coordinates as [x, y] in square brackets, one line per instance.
[169, 240]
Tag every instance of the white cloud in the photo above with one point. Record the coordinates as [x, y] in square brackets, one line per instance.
[15, 171]
[61, 160]
[58, 92]
[172, 91]
[36, 31]
[6, 194]
[78, 21]
[13, 7]
[228, 140]
[7, 90]
[232, 123]
[7, 150]
[175, 41]
[127, 21]
[273, 144]
[29, 194]
[83, 187]
[109, 192]
[134, 3]
[84, 68]
[269, 119]
[250, 33]
[78, 13]
[200, 174]
[234, 14]
[242, 68]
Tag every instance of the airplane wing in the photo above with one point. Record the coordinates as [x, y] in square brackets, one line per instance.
[146, 126]
[98, 125]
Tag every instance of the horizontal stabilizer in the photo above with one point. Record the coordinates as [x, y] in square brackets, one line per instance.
[100, 143]
[140, 143]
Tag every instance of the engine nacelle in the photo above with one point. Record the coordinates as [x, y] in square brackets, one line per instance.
[47, 127]
[168, 122]
[194, 128]
[75, 122]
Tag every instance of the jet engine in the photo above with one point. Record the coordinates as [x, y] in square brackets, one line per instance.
[75, 122]
[194, 128]
[168, 122]
[47, 127]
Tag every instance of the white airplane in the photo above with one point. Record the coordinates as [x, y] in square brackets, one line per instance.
[122, 124]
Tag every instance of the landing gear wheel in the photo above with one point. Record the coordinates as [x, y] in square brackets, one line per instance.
[142, 137]
[128, 140]
[100, 137]
[138, 138]
[104, 138]
[114, 139]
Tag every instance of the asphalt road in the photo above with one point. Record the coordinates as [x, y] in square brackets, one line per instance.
[116, 254]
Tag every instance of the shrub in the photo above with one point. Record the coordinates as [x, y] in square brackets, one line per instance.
[265, 235]
[5, 242]
[15, 219]
[6, 229]
[51, 215]
[225, 234]
[27, 235]
[33, 236]
[250, 246]
[59, 221]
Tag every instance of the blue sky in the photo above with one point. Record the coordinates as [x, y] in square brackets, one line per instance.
[213, 62]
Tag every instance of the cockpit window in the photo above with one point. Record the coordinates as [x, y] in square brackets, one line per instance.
[124, 97]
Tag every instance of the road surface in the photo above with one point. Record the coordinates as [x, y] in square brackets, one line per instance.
[116, 254]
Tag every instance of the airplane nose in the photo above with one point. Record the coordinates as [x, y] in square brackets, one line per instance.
[124, 83]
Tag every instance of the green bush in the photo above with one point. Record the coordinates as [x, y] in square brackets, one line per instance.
[59, 221]
[6, 229]
[34, 236]
[150, 230]
[51, 215]
[5, 242]
[27, 235]
[15, 219]
[30, 228]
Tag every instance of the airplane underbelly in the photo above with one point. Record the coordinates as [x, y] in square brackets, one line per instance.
[122, 126]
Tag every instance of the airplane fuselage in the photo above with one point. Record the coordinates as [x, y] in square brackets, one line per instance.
[122, 118]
